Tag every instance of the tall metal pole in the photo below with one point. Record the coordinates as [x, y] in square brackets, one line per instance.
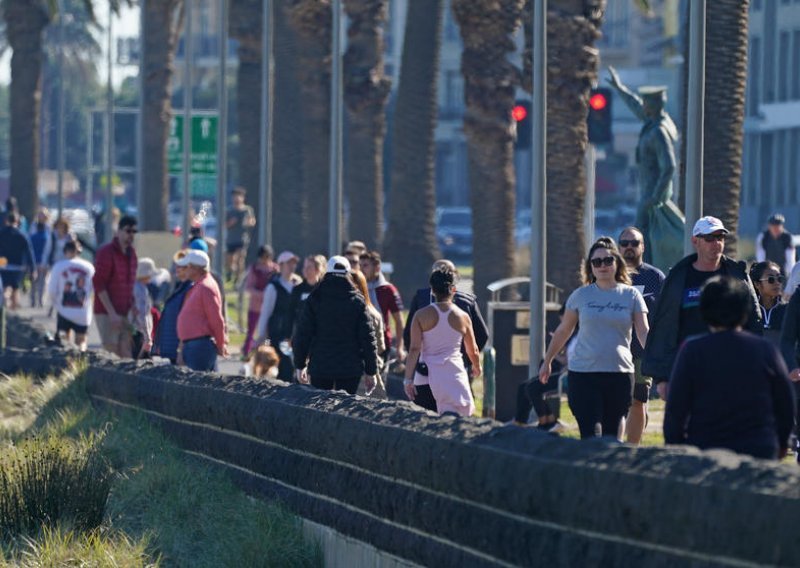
[222, 135]
[61, 91]
[590, 162]
[90, 162]
[335, 173]
[187, 117]
[695, 115]
[265, 169]
[538, 187]
[110, 134]
[145, 218]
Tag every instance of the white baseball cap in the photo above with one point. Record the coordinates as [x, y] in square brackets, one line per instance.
[338, 265]
[286, 256]
[195, 258]
[708, 225]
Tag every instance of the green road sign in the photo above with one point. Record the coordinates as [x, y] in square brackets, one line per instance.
[203, 157]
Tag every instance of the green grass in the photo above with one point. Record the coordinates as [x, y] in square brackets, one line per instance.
[165, 507]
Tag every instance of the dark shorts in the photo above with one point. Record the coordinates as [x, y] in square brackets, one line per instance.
[641, 392]
[11, 278]
[63, 324]
[234, 247]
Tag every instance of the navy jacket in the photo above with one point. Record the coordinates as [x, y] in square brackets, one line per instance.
[166, 340]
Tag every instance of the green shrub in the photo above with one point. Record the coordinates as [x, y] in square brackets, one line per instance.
[52, 481]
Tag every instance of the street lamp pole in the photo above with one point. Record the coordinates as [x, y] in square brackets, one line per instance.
[110, 133]
[538, 187]
[695, 114]
[222, 135]
[335, 180]
[265, 171]
[187, 117]
[61, 130]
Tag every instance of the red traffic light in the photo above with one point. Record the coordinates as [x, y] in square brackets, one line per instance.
[519, 113]
[598, 101]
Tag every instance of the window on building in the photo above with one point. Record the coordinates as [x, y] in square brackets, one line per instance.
[754, 77]
[784, 71]
[795, 69]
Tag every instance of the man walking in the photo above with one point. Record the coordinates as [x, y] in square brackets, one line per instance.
[71, 291]
[201, 327]
[386, 298]
[239, 221]
[677, 312]
[465, 301]
[15, 248]
[115, 274]
[775, 244]
[649, 280]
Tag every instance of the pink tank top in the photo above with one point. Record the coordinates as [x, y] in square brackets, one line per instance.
[441, 343]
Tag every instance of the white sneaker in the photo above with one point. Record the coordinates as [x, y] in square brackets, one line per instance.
[558, 426]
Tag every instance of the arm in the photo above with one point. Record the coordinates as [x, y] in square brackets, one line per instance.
[754, 319]
[562, 333]
[790, 260]
[478, 326]
[304, 333]
[761, 254]
[369, 346]
[414, 350]
[783, 398]
[676, 414]
[212, 308]
[791, 284]
[412, 309]
[641, 326]
[631, 101]
[398, 326]
[471, 347]
[267, 307]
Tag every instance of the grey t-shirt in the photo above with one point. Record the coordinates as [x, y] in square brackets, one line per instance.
[605, 317]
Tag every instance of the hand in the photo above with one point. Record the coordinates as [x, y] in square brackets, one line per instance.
[476, 371]
[544, 372]
[663, 390]
[302, 376]
[223, 352]
[794, 375]
[410, 389]
[613, 78]
[369, 383]
[145, 349]
[116, 320]
[401, 354]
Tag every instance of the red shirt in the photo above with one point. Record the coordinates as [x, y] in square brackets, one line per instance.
[201, 314]
[115, 273]
[389, 302]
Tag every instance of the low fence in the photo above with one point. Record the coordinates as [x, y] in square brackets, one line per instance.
[448, 491]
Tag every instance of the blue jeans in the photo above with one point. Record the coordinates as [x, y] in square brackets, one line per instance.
[200, 354]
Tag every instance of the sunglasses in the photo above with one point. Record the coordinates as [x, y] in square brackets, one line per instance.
[773, 279]
[605, 261]
[632, 243]
[712, 238]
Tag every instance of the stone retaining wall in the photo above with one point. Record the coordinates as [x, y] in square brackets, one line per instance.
[446, 491]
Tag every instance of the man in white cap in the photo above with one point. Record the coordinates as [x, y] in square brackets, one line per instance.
[275, 320]
[201, 326]
[677, 312]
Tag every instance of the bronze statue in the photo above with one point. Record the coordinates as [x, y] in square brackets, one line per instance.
[660, 220]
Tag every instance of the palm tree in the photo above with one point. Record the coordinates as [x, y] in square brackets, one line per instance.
[723, 129]
[311, 23]
[366, 90]
[25, 22]
[489, 88]
[572, 66]
[163, 21]
[411, 237]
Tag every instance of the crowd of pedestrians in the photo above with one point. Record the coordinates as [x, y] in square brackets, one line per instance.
[720, 341]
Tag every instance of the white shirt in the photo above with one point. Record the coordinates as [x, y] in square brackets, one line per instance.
[71, 290]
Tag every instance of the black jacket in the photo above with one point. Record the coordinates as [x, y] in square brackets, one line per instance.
[463, 300]
[334, 335]
[790, 333]
[662, 341]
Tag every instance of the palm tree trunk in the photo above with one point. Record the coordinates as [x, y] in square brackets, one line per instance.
[25, 23]
[572, 66]
[489, 87]
[723, 130]
[411, 238]
[311, 22]
[366, 90]
[161, 28]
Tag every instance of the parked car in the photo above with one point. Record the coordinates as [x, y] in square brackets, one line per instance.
[454, 232]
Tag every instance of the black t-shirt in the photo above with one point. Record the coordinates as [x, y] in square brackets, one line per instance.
[691, 322]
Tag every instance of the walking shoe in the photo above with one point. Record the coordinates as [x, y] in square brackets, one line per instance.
[557, 427]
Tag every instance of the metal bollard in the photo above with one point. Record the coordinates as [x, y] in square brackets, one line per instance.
[489, 388]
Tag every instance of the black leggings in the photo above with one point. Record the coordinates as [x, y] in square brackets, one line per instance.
[599, 398]
[530, 394]
[349, 385]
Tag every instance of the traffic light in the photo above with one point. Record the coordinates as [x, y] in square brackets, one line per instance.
[599, 119]
[521, 113]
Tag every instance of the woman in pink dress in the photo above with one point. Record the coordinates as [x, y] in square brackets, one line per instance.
[437, 332]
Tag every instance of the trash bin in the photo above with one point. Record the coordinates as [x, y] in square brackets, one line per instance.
[509, 328]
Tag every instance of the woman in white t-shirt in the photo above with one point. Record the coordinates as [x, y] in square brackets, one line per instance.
[600, 380]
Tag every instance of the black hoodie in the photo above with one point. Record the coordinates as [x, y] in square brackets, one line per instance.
[333, 334]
